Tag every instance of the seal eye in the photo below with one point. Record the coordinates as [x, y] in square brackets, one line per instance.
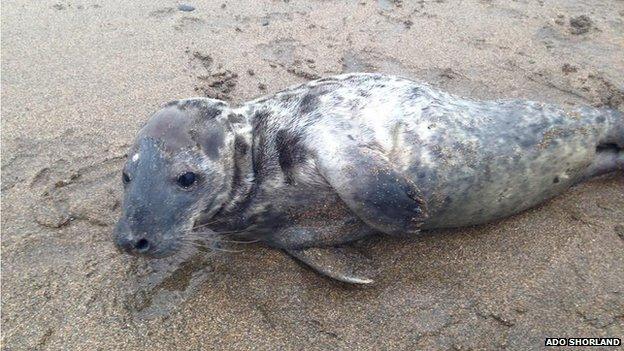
[125, 177]
[187, 179]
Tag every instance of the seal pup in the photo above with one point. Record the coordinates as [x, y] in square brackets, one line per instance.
[341, 158]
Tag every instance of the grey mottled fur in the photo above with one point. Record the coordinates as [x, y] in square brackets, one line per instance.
[340, 158]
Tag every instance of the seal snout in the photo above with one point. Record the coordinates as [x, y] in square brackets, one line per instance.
[126, 241]
[138, 246]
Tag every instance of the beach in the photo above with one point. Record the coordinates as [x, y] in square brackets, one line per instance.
[79, 79]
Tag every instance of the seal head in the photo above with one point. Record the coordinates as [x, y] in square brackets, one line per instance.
[177, 170]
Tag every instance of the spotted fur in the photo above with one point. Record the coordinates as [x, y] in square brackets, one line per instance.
[339, 158]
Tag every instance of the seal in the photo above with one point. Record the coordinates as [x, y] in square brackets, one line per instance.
[345, 157]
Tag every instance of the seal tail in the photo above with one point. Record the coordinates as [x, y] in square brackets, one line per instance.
[615, 129]
[610, 150]
[608, 158]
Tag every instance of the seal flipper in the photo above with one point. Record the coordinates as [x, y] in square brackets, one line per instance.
[332, 262]
[370, 186]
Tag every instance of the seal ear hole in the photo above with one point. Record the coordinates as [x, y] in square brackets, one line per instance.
[556, 180]
[187, 179]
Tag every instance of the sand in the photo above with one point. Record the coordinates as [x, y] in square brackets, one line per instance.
[79, 79]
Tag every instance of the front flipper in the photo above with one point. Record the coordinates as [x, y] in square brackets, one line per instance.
[333, 262]
[371, 187]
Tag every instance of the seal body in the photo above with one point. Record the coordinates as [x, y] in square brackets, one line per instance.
[340, 158]
[473, 161]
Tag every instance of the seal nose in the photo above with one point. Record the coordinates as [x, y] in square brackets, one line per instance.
[142, 245]
[130, 243]
[133, 245]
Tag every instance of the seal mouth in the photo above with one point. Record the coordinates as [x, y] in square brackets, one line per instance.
[157, 254]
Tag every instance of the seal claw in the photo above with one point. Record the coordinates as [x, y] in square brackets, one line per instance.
[334, 263]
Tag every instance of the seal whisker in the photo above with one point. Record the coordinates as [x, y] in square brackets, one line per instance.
[187, 249]
[207, 224]
[198, 241]
[216, 238]
[219, 237]
[225, 250]
[235, 241]
[211, 247]
[231, 232]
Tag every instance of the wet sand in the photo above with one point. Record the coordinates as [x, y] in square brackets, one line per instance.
[80, 78]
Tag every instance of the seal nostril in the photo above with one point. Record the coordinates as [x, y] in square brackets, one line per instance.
[142, 245]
